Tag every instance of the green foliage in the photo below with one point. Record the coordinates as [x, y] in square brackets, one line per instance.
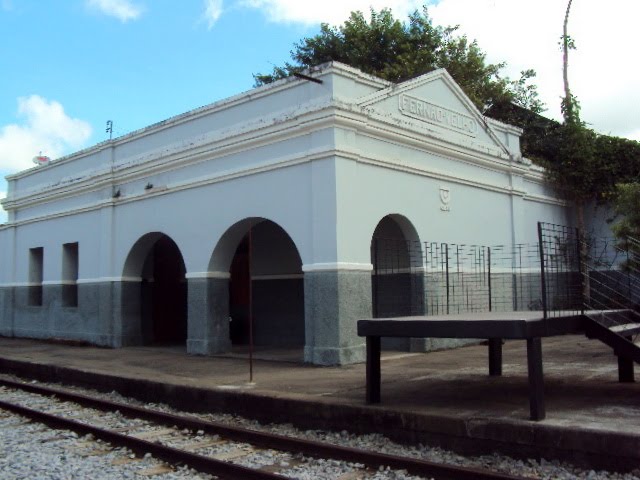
[536, 129]
[396, 51]
[627, 205]
[572, 163]
[582, 164]
[570, 108]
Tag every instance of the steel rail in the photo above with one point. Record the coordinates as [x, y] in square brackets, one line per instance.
[310, 448]
[174, 456]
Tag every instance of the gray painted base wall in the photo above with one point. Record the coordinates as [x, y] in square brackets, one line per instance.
[6, 311]
[208, 317]
[334, 302]
[89, 321]
[109, 314]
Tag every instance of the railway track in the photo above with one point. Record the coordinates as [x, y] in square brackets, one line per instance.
[217, 449]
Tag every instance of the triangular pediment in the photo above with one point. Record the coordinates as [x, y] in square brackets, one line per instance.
[434, 101]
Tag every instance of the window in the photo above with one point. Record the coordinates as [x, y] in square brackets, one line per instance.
[70, 275]
[36, 256]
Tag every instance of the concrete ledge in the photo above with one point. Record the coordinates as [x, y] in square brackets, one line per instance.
[207, 347]
[98, 340]
[583, 446]
[334, 356]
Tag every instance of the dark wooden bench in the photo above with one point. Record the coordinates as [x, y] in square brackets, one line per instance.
[496, 326]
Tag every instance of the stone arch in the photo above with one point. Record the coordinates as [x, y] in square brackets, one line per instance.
[398, 268]
[155, 302]
[264, 268]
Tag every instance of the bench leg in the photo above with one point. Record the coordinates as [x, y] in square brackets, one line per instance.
[373, 369]
[495, 356]
[536, 380]
[625, 368]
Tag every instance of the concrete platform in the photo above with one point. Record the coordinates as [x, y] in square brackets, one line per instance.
[445, 398]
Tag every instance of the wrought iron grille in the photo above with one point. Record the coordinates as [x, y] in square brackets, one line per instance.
[611, 270]
[398, 278]
[583, 273]
[560, 265]
[410, 278]
[562, 274]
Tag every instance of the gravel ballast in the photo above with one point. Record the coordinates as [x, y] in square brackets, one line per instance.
[31, 450]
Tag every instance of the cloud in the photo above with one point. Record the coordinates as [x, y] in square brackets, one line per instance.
[123, 10]
[45, 128]
[212, 12]
[524, 34]
[330, 11]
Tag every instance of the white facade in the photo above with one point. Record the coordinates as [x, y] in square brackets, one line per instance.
[324, 162]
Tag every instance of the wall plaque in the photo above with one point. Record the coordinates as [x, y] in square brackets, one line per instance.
[445, 199]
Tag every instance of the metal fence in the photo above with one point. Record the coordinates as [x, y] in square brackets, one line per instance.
[398, 283]
[560, 265]
[563, 273]
[410, 278]
[612, 278]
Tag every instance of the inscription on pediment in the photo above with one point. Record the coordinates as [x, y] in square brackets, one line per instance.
[444, 117]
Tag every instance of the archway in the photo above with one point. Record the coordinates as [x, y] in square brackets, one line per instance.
[266, 285]
[160, 305]
[398, 275]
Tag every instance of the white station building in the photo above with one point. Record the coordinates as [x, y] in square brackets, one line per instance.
[163, 235]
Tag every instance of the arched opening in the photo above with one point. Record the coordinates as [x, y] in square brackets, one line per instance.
[160, 305]
[398, 275]
[266, 286]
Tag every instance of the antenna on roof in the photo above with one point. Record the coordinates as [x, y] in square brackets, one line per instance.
[306, 77]
[109, 129]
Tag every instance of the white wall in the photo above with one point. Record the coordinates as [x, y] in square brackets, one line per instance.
[326, 162]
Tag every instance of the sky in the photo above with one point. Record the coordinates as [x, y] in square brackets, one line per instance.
[68, 66]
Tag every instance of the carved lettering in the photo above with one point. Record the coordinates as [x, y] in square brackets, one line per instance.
[444, 117]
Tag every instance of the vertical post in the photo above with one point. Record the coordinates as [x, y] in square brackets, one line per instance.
[626, 367]
[376, 274]
[583, 278]
[446, 266]
[373, 370]
[536, 379]
[250, 308]
[495, 357]
[489, 274]
[629, 289]
[543, 281]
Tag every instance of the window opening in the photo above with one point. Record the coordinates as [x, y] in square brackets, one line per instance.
[36, 256]
[70, 274]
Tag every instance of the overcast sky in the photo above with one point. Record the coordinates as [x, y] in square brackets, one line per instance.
[69, 66]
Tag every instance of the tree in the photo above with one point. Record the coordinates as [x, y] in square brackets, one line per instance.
[570, 106]
[627, 205]
[576, 171]
[627, 230]
[390, 49]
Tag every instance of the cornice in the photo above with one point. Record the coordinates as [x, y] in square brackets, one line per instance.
[287, 162]
[534, 197]
[209, 147]
[210, 109]
[169, 158]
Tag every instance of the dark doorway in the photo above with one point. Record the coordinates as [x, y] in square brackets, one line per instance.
[266, 282]
[240, 294]
[165, 305]
[397, 280]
